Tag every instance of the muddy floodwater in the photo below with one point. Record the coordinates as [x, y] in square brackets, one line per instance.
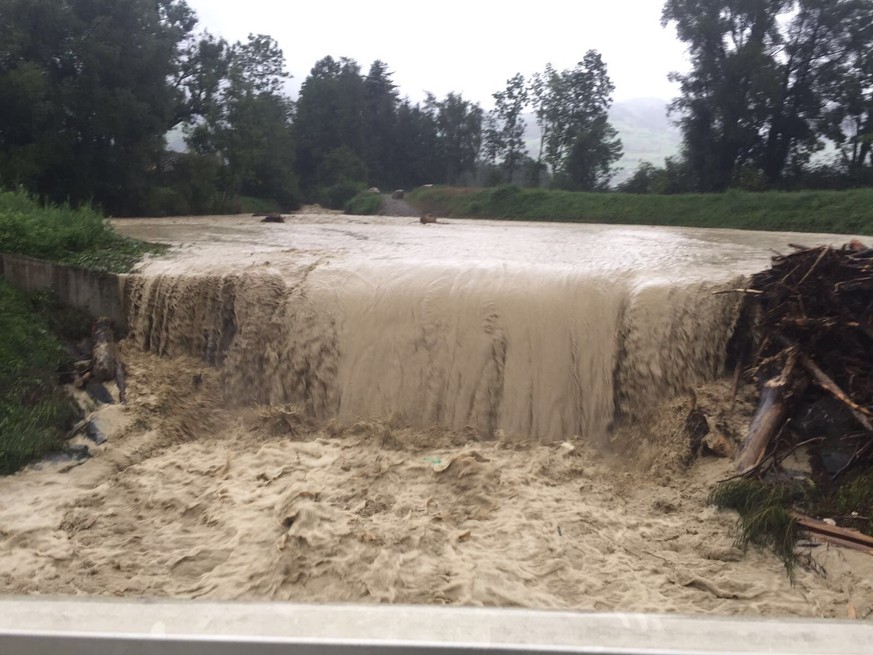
[373, 410]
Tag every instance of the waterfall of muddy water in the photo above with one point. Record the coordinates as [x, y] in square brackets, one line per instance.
[546, 331]
[540, 331]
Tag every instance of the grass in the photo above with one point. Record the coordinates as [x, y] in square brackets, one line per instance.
[365, 204]
[764, 520]
[850, 501]
[62, 234]
[34, 411]
[846, 212]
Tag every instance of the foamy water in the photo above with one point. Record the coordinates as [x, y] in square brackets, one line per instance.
[308, 415]
[542, 330]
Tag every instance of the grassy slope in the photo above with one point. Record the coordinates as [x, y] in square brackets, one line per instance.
[72, 236]
[847, 212]
[34, 413]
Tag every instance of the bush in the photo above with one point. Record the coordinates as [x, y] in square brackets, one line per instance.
[337, 195]
[63, 234]
[365, 203]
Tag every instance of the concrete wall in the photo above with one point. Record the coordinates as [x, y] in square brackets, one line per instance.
[99, 294]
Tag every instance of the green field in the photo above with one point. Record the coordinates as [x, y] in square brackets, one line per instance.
[845, 212]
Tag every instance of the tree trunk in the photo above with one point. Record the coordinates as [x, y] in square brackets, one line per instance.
[767, 419]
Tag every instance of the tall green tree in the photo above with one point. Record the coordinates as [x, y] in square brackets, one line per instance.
[458, 135]
[248, 125]
[848, 92]
[379, 118]
[84, 95]
[506, 134]
[768, 81]
[329, 116]
[578, 143]
[415, 147]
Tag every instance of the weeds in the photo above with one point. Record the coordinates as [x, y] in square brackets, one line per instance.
[34, 412]
[60, 233]
[763, 521]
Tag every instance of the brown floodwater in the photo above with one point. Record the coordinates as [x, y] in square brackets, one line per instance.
[348, 409]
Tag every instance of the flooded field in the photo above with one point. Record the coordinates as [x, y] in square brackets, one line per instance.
[375, 410]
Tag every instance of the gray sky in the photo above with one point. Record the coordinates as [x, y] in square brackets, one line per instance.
[468, 47]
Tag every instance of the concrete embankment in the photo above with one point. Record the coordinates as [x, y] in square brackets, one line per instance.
[99, 294]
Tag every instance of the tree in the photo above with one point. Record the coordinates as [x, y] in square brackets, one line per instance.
[766, 76]
[84, 95]
[848, 119]
[458, 134]
[379, 109]
[505, 133]
[329, 116]
[248, 124]
[577, 141]
[414, 147]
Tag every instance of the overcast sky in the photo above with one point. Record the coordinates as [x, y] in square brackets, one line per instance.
[469, 47]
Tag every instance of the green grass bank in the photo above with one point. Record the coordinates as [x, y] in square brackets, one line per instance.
[846, 212]
[35, 413]
[81, 237]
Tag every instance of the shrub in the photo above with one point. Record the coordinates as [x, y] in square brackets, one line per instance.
[337, 195]
[63, 234]
[365, 203]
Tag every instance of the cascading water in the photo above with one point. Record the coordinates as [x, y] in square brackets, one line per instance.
[224, 475]
[544, 349]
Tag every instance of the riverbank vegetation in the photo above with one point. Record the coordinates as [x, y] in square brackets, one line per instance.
[35, 412]
[846, 212]
[60, 233]
[365, 203]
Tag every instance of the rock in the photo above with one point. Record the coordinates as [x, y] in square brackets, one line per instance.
[373, 189]
[95, 431]
[428, 218]
[99, 392]
[399, 194]
[273, 218]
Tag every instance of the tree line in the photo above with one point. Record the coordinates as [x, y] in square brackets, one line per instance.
[779, 96]
[89, 89]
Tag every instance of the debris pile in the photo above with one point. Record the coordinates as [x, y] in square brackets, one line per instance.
[810, 337]
[806, 339]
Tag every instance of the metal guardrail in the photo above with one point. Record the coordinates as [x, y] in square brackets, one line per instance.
[39, 626]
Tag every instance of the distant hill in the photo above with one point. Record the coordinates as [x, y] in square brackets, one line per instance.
[646, 134]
